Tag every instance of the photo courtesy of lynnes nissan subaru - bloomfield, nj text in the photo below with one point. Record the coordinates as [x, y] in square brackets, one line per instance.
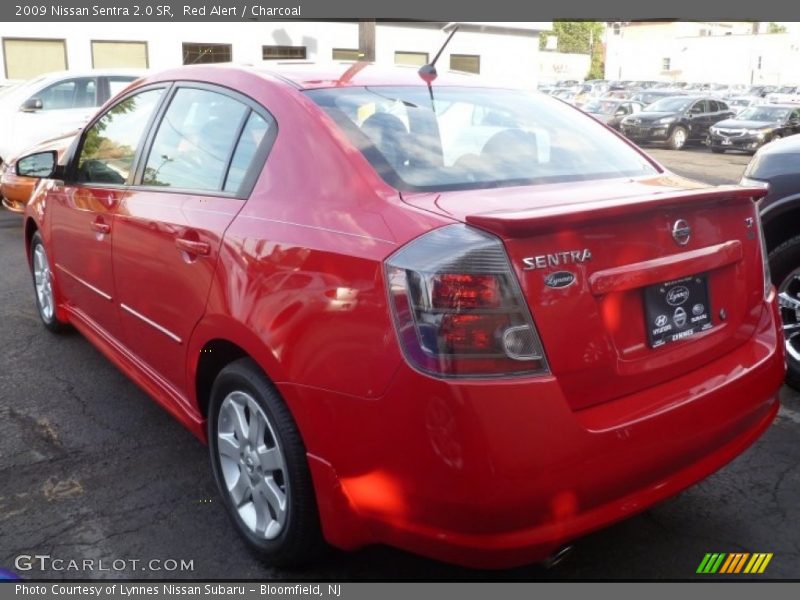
[470, 322]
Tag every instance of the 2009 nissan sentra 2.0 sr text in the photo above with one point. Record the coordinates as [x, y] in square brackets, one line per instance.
[468, 322]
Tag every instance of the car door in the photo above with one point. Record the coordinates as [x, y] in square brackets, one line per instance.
[697, 114]
[199, 167]
[58, 108]
[82, 211]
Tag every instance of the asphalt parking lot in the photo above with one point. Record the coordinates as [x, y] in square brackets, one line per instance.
[90, 468]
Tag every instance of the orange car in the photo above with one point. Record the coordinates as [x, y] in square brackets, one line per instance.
[15, 190]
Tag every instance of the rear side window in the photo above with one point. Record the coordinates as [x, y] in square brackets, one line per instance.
[109, 145]
[194, 142]
[252, 137]
[118, 83]
[473, 138]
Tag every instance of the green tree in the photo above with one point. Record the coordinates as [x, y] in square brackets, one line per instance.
[579, 37]
[776, 28]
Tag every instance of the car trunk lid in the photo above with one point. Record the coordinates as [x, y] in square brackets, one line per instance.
[597, 263]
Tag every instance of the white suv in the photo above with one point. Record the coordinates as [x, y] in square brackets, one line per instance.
[53, 104]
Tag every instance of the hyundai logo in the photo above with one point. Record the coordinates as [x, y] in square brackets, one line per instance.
[681, 232]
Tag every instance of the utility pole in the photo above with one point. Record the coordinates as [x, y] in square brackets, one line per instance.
[366, 40]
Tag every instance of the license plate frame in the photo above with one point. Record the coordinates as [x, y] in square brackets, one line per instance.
[676, 310]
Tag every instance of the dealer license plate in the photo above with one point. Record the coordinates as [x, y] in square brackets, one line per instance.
[676, 310]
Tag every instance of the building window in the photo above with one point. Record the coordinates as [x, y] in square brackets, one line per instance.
[468, 63]
[283, 52]
[27, 58]
[666, 63]
[194, 54]
[759, 63]
[107, 55]
[616, 28]
[346, 54]
[415, 59]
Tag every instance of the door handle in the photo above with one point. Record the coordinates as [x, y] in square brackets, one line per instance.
[193, 246]
[100, 227]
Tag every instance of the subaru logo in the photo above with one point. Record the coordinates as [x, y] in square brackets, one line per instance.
[681, 232]
[677, 295]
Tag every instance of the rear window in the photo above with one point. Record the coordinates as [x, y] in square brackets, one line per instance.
[472, 138]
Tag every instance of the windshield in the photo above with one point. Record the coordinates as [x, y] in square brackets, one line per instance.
[469, 138]
[763, 113]
[674, 104]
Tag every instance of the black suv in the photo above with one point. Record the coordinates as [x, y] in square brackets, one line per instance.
[777, 167]
[676, 120]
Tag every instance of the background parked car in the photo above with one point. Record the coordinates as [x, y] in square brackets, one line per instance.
[611, 112]
[777, 166]
[676, 120]
[788, 94]
[16, 190]
[54, 104]
[754, 127]
[739, 103]
[649, 96]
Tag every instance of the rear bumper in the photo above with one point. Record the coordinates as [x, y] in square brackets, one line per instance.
[492, 475]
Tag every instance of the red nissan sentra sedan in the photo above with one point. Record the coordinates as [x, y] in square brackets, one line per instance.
[469, 322]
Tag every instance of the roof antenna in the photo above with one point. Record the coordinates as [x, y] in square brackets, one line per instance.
[428, 72]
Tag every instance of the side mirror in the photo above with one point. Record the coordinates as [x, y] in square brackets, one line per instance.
[41, 165]
[32, 105]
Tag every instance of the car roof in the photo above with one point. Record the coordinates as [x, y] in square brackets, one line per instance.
[306, 76]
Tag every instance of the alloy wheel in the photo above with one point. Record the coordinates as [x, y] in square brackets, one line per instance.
[253, 465]
[789, 302]
[43, 282]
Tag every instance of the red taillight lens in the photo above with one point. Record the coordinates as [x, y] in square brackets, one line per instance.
[465, 291]
[458, 308]
[469, 333]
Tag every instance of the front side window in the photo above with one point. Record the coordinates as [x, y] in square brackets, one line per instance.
[72, 93]
[194, 141]
[110, 145]
[476, 138]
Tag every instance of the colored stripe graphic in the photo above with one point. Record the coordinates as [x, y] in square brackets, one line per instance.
[735, 562]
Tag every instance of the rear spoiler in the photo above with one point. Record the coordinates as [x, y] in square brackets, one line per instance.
[516, 223]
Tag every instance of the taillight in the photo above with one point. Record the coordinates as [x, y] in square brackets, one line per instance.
[458, 308]
[764, 254]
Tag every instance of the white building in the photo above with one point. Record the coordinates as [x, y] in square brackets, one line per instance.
[506, 52]
[701, 53]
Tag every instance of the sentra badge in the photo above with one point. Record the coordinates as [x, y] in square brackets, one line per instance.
[557, 259]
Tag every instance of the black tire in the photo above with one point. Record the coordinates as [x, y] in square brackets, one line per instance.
[300, 539]
[717, 150]
[677, 134]
[49, 318]
[784, 260]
